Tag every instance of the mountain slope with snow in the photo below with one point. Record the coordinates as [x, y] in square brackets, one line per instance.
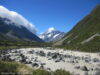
[14, 27]
[16, 18]
[51, 35]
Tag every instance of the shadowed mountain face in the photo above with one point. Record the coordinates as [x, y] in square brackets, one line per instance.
[85, 35]
[11, 31]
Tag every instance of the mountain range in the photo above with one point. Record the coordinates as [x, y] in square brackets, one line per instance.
[52, 35]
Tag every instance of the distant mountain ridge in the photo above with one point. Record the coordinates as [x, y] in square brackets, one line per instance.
[51, 35]
[85, 36]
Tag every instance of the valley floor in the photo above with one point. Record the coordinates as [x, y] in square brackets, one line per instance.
[77, 63]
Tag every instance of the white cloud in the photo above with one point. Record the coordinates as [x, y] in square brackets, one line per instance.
[17, 18]
[51, 29]
[41, 32]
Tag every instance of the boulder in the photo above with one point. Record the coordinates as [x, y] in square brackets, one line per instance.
[95, 60]
[41, 53]
[31, 52]
[55, 55]
[49, 58]
[57, 60]
[48, 69]
[84, 68]
[42, 66]
[43, 63]
[67, 56]
[87, 61]
[77, 67]
[35, 60]
[23, 60]
[71, 61]
[35, 65]
[49, 54]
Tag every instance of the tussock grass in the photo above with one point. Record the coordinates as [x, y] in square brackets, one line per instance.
[15, 68]
[61, 72]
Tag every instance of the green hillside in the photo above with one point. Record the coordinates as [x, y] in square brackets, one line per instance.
[85, 36]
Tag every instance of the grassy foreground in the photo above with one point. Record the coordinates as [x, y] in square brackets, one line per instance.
[15, 68]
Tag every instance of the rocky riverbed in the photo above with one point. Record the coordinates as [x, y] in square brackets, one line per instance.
[77, 63]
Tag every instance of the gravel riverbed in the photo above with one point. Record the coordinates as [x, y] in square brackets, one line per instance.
[77, 63]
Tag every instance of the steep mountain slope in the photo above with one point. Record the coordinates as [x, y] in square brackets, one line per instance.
[51, 35]
[85, 36]
[10, 31]
[14, 27]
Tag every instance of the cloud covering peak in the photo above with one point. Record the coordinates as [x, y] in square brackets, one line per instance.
[51, 29]
[16, 18]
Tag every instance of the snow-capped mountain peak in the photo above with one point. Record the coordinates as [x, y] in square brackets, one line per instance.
[51, 35]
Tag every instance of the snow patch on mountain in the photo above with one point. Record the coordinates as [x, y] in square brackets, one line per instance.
[56, 35]
[16, 18]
